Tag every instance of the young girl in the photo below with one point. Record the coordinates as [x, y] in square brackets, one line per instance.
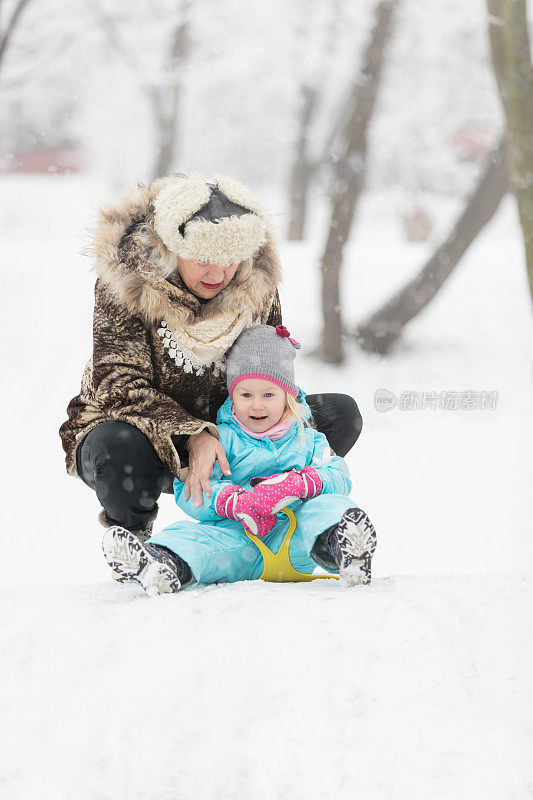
[276, 461]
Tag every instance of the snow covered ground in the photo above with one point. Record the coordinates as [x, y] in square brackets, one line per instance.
[415, 687]
[418, 687]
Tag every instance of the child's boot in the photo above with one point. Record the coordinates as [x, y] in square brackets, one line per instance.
[352, 543]
[155, 568]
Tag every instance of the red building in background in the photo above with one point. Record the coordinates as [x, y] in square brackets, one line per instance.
[44, 160]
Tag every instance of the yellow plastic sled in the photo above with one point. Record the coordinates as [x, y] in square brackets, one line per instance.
[278, 568]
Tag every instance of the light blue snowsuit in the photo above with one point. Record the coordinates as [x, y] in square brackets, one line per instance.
[217, 549]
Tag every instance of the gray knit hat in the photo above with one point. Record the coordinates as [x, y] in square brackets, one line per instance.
[263, 352]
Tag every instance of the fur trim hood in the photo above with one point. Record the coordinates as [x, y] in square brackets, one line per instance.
[139, 270]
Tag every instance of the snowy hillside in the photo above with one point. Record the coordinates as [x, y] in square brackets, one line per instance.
[415, 687]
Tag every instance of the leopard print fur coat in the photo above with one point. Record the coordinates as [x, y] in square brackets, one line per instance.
[138, 373]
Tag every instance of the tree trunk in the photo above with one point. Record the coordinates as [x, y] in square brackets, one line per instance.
[302, 169]
[165, 101]
[384, 327]
[511, 58]
[349, 180]
[305, 164]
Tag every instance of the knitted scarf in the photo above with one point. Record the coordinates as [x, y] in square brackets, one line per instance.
[206, 341]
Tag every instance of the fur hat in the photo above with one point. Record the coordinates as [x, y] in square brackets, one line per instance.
[218, 223]
[263, 352]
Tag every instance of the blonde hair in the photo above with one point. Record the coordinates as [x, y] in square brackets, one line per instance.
[293, 408]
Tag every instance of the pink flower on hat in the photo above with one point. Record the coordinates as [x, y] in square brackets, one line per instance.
[281, 330]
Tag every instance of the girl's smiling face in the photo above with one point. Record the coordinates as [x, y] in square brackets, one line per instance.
[258, 404]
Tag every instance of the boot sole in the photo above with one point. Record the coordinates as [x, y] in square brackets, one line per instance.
[357, 537]
[130, 561]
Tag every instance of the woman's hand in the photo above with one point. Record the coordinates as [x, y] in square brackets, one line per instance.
[204, 450]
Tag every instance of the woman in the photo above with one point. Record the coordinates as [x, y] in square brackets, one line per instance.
[183, 267]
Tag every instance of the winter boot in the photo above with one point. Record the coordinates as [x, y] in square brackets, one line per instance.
[352, 543]
[155, 568]
[142, 535]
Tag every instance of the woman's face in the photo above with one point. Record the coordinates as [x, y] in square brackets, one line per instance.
[205, 280]
[258, 404]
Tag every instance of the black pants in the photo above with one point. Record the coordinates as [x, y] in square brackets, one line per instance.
[120, 464]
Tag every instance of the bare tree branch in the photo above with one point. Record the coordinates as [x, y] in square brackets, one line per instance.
[114, 39]
[384, 327]
[63, 44]
[6, 35]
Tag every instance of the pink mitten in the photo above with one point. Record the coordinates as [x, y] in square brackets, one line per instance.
[236, 503]
[277, 491]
